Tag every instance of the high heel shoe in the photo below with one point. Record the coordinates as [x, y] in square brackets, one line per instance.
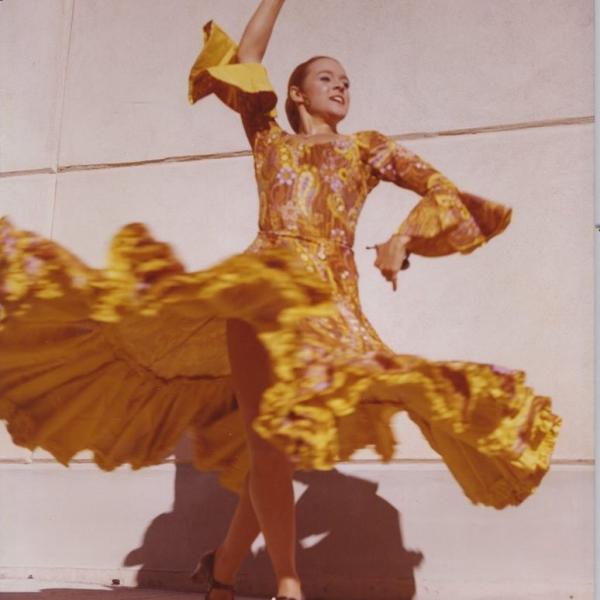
[205, 571]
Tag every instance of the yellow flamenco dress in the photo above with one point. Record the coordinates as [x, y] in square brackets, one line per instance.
[123, 360]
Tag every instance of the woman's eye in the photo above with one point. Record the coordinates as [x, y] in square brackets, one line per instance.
[327, 78]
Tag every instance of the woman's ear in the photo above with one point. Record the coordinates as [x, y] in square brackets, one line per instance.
[296, 94]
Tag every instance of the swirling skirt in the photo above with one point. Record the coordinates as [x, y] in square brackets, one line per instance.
[123, 360]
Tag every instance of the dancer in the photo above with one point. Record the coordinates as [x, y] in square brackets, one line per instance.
[267, 356]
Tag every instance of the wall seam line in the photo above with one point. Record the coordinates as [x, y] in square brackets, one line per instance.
[60, 108]
[570, 121]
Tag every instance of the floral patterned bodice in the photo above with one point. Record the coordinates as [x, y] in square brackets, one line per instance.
[313, 190]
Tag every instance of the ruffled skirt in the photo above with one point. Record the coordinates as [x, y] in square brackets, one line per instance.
[122, 361]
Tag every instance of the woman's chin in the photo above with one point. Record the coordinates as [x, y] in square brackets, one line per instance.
[336, 117]
[339, 113]
[333, 117]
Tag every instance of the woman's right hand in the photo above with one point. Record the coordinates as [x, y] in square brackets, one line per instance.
[392, 257]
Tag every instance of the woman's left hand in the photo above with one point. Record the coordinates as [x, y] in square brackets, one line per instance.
[392, 257]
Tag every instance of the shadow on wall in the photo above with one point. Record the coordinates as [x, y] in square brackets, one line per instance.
[350, 543]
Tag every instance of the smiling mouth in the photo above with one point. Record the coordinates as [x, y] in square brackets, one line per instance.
[337, 99]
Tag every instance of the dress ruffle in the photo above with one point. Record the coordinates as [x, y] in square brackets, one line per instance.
[244, 87]
[123, 360]
[446, 219]
[492, 431]
[458, 221]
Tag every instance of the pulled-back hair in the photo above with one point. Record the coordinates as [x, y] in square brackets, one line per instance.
[297, 78]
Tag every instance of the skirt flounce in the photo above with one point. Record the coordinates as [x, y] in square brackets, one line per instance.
[123, 360]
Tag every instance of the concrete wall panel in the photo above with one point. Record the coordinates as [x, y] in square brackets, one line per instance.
[207, 210]
[28, 201]
[33, 46]
[126, 91]
[414, 66]
[422, 534]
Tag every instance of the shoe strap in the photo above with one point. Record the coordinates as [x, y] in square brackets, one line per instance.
[215, 584]
[208, 561]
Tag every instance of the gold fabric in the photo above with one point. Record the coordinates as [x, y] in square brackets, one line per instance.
[124, 359]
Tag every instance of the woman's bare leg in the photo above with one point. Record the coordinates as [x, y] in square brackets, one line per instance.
[270, 493]
[243, 530]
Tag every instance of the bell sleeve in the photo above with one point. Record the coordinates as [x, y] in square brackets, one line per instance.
[446, 220]
[243, 87]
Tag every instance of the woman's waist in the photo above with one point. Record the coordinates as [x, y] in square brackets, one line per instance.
[332, 259]
[333, 242]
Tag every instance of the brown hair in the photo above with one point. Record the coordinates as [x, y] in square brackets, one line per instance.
[297, 78]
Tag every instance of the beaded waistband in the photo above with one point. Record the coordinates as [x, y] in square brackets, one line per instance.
[315, 240]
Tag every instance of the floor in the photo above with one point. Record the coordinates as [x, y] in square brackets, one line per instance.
[29, 589]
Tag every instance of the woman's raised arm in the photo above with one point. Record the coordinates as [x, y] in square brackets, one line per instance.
[256, 36]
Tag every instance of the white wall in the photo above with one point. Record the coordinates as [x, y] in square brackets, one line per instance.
[481, 89]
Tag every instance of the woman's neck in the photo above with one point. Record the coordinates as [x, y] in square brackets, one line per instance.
[317, 131]
[311, 126]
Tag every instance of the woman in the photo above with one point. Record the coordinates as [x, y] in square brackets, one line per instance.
[267, 356]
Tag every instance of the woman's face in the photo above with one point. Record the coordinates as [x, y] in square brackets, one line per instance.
[326, 89]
